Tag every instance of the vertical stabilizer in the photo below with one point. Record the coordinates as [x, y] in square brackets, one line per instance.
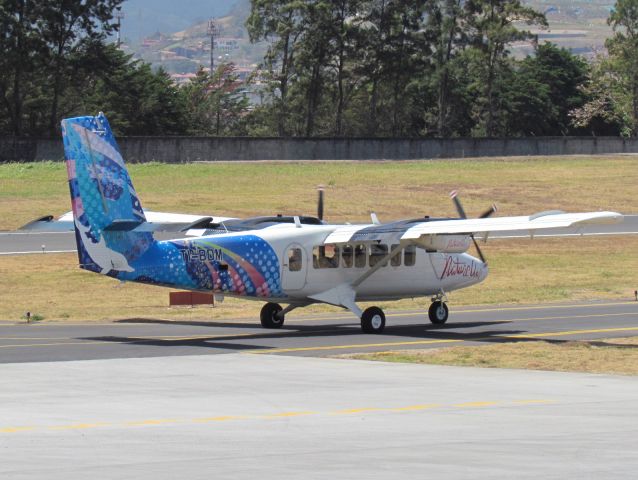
[105, 205]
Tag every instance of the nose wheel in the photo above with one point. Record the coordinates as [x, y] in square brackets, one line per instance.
[438, 312]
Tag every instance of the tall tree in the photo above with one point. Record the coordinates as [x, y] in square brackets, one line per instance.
[217, 103]
[623, 51]
[542, 91]
[281, 23]
[492, 26]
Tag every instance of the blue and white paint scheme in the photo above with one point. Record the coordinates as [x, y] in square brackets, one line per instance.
[295, 260]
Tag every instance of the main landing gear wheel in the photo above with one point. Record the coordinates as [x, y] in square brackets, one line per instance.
[373, 320]
[438, 313]
[269, 317]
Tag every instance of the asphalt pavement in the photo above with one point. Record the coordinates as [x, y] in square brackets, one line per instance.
[319, 335]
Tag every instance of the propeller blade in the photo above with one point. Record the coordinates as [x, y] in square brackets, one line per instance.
[478, 250]
[320, 203]
[489, 212]
[457, 203]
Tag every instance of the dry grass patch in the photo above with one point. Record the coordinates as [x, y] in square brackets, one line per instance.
[615, 356]
[354, 189]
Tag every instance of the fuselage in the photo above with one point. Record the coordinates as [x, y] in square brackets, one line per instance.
[287, 263]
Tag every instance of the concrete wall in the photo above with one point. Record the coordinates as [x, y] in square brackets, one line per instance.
[190, 149]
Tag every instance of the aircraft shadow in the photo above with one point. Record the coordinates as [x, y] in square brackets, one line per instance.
[226, 341]
[308, 332]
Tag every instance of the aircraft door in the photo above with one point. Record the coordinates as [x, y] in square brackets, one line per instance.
[295, 266]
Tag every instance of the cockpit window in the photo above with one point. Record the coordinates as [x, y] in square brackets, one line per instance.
[294, 259]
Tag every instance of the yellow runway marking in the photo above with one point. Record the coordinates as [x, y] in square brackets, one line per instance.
[151, 422]
[425, 342]
[351, 411]
[280, 415]
[571, 332]
[80, 342]
[16, 429]
[79, 426]
[222, 418]
[475, 404]
[289, 414]
[132, 340]
[478, 310]
[412, 408]
[339, 347]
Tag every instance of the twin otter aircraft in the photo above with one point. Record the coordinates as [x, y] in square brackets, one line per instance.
[293, 260]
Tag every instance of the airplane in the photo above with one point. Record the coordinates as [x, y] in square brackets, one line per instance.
[295, 260]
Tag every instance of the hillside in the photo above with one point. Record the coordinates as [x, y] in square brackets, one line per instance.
[175, 37]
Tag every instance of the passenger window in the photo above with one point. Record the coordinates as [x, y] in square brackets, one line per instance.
[377, 252]
[395, 261]
[325, 256]
[294, 259]
[409, 257]
[360, 255]
[347, 255]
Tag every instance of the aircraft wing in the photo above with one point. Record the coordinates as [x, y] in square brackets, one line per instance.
[155, 222]
[415, 230]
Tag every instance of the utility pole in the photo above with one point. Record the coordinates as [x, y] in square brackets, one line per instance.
[119, 15]
[213, 32]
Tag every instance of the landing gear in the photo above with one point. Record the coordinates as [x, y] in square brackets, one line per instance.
[372, 320]
[270, 316]
[438, 312]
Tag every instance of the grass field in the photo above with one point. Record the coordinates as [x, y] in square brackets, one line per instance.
[392, 189]
[522, 271]
[617, 356]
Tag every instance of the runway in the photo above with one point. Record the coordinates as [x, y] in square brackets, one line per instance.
[14, 243]
[321, 335]
[231, 398]
[253, 416]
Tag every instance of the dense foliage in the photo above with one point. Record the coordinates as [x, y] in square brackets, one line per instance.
[333, 68]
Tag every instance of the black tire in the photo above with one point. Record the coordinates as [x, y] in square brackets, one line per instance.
[268, 316]
[373, 320]
[438, 313]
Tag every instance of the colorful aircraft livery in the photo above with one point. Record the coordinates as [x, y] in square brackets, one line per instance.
[107, 212]
[299, 260]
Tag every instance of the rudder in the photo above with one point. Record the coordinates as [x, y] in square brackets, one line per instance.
[105, 205]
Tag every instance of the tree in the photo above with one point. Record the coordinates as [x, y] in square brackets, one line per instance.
[492, 26]
[281, 22]
[607, 110]
[623, 52]
[542, 91]
[65, 26]
[217, 103]
[137, 100]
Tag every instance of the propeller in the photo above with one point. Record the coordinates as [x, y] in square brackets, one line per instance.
[454, 195]
[320, 188]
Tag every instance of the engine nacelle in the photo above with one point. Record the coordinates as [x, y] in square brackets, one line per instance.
[446, 243]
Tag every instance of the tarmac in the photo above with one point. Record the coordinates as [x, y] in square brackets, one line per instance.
[248, 416]
[318, 335]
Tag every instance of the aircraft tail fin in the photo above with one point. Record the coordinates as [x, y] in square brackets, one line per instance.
[105, 205]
